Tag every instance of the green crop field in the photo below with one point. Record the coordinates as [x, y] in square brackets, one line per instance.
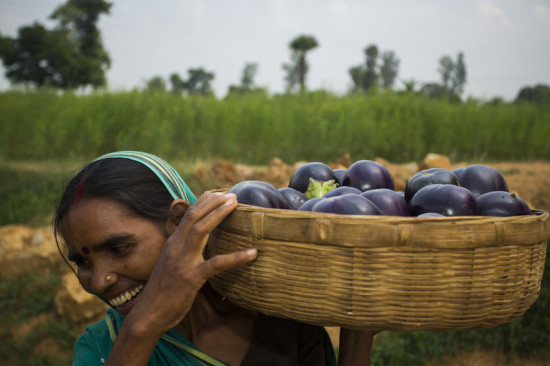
[253, 128]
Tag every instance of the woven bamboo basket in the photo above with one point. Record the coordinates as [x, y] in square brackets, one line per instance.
[381, 272]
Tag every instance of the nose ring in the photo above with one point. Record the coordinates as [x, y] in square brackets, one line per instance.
[108, 278]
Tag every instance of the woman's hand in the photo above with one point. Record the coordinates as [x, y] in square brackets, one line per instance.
[181, 270]
[355, 347]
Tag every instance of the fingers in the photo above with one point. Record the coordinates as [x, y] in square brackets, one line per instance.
[202, 217]
[190, 238]
[224, 262]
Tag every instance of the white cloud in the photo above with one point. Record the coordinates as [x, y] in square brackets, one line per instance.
[198, 8]
[542, 12]
[339, 8]
[490, 11]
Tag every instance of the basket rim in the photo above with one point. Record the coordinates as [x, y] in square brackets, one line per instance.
[536, 215]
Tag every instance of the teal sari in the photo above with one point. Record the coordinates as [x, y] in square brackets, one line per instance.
[93, 347]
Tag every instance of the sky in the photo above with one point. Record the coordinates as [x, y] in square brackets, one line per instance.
[506, 43]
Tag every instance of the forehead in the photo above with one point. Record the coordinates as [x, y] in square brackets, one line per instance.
[96, 209]
[94, 218]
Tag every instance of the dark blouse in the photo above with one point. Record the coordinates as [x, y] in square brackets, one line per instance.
[283, 342]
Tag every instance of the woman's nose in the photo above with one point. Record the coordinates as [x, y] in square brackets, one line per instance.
[101, 279]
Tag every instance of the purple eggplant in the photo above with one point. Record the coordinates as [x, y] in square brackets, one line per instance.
[445, 199]
[388, 201]
[368, 174]
[258, 193]
[458, 172]
[502, 203]
[294, 198]
[426, 177]
[300, 180]
[481, 179]
[347, 204]
[338, 191]
[431, 214]
[340, 175]
[308, 205]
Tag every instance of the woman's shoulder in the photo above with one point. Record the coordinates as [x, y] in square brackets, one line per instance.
[106, 326]
[93, 346]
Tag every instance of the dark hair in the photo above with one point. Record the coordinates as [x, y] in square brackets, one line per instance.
[127, 182]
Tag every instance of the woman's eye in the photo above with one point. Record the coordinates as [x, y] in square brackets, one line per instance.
[120, 249]
[83, 263]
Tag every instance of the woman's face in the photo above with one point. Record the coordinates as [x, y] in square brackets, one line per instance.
[114, 250]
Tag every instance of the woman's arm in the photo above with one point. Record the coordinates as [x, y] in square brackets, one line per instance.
[355, 347]
[177, 277]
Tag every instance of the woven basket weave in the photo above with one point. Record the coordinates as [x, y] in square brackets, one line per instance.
[383, 273]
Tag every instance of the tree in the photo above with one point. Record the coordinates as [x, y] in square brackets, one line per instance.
[79, 18]
[178, 85]
[247, 80]
[459, 79]
[156, 84]
[36, 56]
[366, 77]
[410, 85]
[291, 74]
[453, 74]
[537, 94]
[370, 80]
[357, 74]
[298, 68]
[389, 69]
[438, 91]
[446, 68]
[198, 82]
[69, 56]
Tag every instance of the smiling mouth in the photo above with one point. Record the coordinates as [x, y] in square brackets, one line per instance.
[125, 297]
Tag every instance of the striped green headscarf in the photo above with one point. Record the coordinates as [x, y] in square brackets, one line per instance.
[167, 175]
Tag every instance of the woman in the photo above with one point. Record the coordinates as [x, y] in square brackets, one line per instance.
[136, 234]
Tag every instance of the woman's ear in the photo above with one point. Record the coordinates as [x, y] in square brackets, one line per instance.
[177, 210]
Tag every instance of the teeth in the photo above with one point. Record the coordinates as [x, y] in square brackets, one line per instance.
[125, 297]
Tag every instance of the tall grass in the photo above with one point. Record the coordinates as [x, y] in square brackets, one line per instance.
[254, 128]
